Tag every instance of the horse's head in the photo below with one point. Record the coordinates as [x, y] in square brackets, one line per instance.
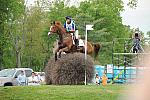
[55, 27]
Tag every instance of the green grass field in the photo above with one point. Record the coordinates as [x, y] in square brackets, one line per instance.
[61, 92]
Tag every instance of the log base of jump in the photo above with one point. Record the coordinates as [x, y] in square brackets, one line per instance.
[69, 70]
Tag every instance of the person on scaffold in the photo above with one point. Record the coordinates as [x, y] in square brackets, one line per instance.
[136, 41]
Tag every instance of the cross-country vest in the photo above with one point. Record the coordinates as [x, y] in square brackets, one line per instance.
[70, 27]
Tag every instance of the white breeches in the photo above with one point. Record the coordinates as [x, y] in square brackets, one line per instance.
[77, 34]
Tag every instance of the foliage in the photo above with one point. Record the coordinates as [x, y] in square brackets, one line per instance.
[104, 14]
[132, 3]
[24, 41]
[148, 33]
[10, 10]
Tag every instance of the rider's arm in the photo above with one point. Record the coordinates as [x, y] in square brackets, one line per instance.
[73, 26]
[66, 28]
[64, 25]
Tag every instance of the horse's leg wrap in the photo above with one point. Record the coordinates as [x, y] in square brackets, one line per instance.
[56, 53]
[55, 56]
[63, 50]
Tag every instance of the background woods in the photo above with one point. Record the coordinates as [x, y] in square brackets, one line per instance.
[23, 28]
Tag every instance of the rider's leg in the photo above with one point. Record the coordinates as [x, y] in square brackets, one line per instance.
[73, 37]
[76, 42]
[76, 38]
[140, 48]
[136, 44]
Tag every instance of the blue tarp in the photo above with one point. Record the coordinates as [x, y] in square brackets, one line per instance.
[128, 73]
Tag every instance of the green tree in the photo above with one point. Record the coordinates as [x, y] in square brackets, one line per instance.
[9, 10]
[23, 29]
[148, 33]
[104, 14]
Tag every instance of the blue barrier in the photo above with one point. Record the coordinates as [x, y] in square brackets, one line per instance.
[127, 73]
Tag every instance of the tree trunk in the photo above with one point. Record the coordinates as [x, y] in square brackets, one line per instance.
[18, 62]
[18, 56]
[1, 44]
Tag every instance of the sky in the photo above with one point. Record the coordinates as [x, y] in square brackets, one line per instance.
[139, 17]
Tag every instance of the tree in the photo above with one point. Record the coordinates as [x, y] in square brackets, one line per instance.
[104, 14]
[9, 10]
[133, 3]
[23, 29]
[23, 42]
[148, 33]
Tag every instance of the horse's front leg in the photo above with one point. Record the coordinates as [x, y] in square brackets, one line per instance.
[59, 54]
[63, 50]
[56, 53]
[55, 56]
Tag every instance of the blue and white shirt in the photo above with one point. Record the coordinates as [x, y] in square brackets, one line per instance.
[70, 27]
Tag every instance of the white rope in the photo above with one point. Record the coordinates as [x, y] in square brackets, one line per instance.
[131, 53]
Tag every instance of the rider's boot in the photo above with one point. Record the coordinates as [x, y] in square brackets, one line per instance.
[77, 44]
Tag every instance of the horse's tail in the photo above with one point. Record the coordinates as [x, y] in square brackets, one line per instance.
[97, 47]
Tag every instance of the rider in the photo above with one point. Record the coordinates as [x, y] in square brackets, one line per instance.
[70, 27]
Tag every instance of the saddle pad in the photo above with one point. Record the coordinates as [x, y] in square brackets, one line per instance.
[81, 43]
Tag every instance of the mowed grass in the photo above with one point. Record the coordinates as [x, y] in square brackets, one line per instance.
[61, 92]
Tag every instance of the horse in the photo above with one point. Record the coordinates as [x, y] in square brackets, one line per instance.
[65, 42]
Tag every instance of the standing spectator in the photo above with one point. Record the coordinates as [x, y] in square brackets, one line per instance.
[97, 79]
[39, 77]
[22, 79]
[104, 80]
[33, 80]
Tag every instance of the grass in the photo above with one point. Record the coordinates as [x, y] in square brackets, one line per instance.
[61, 92]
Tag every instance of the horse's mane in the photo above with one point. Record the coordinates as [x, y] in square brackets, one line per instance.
[58, 23]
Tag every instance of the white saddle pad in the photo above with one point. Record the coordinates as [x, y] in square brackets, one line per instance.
[81, 42]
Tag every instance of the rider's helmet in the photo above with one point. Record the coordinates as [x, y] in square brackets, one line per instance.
[68, 17]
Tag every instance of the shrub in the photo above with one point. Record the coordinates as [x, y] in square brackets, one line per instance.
[69, 69]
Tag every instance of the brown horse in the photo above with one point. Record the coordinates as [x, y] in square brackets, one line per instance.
[65, 42]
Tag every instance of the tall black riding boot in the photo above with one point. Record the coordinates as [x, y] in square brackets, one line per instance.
[77, 42]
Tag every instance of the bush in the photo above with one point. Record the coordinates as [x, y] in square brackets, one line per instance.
[69, 69]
